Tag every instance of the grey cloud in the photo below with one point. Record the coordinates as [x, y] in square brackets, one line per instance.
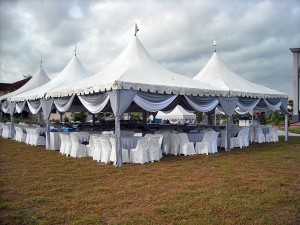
[254, 36]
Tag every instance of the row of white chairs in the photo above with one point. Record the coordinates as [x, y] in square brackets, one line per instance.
[71, 146]
[249, 135]
[6, 131]
[148, 148]
[32, 137]
[179, 144]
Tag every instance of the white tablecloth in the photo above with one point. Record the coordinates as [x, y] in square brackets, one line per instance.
[195, 137]
[55, 139]
[129, 142]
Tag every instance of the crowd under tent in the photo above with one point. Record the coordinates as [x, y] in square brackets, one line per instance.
[134, 81]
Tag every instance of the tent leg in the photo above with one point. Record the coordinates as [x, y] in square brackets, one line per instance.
[48, 134]
[228, 133]
[12, 127]
[94, 119]
[286, 127]
[209, 118]
[144, 118]
[61, 116]
[118, 142]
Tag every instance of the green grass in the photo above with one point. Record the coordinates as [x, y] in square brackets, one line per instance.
[293, 129]
[255, 185]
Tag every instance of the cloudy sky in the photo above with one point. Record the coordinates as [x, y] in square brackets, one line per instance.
[254, 36]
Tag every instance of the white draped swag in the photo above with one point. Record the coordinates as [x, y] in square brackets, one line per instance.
[120, 100]
[134, 78]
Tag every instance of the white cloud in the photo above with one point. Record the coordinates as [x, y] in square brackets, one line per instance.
[254, 37]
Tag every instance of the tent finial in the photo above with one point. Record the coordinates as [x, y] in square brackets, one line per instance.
[136, 29]
[75, 49]
[41, 63]
[215, 44]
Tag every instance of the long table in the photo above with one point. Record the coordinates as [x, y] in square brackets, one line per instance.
[127, 142]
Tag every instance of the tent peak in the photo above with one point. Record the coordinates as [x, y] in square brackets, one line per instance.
[75, 49]
[136, 29]
[41, 63]
[215, 44]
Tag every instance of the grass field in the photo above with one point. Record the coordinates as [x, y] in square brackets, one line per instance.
[292, 129]
[255, 185]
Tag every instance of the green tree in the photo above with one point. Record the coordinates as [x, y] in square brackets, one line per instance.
[136, 116]
[199, 117]
[66, 119]
[291, 103]
[81, 116]
[274, 118]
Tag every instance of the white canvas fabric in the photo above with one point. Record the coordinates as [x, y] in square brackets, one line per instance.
[135, 69]
[178, 113]
[38, 79]
[74, 71]
[217, 73]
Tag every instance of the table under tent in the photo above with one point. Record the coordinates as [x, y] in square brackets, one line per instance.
[134, 81]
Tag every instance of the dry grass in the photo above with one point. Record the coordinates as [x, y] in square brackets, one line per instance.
[255, 185]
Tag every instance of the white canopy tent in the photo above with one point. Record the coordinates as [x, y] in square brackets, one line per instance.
[34, 98]
[243, 94]
[135, 69]
[37, 80]
[177, 114]
[217, 73]
[74, 71]
[135, 81]
[132, 81]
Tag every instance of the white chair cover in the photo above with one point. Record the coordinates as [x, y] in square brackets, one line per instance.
[6, 131]
[97, 148]
[78, 150]
[68, 146]
[62, 143]
[186, 147]
[106, 148]
[37, 138]
[259, 136]
[246, 136]
[174, 144]
[139, 154]
[204, 147]
[113, 158]
[160, 144]
[214, 143]
[153, 148]
[239, 140]
[166, 143]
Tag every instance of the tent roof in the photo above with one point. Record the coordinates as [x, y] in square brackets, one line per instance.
[177, 113]
[72, 72]
[217, 73]
[38, 79]
[135, 69]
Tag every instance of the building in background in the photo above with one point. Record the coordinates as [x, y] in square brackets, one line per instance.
[296, 75]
